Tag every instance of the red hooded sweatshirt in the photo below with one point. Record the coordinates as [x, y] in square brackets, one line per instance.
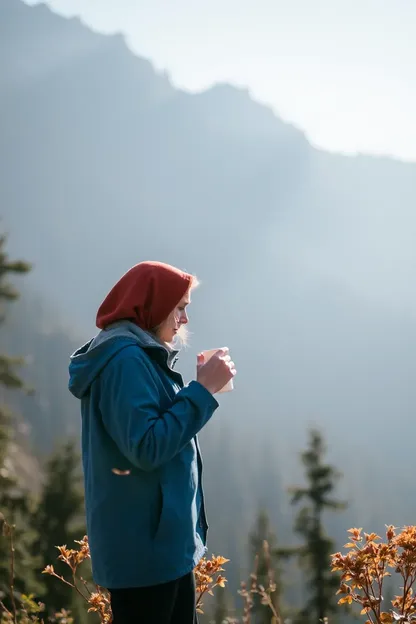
[145, 295]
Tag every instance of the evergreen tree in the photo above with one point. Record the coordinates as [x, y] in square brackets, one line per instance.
[263, 546]
[15, 502]
[9, 377]
[220, 607]
[317, 547]
[59, 520]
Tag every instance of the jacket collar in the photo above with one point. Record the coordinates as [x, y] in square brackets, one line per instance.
[147, 341]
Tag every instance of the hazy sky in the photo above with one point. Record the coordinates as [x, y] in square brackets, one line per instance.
[342, 70]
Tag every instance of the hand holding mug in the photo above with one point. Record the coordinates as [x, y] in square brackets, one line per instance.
[216, 370]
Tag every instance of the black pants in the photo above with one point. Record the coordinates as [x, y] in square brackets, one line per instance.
[170, 603]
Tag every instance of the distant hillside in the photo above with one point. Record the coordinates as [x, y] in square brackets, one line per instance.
[307, 259]
[109, 150]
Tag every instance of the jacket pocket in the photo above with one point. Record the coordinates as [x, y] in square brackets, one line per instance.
[159, 513]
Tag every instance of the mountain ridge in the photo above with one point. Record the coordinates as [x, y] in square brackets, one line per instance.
[306, 258]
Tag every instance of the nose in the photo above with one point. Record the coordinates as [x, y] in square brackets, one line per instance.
[184, 318]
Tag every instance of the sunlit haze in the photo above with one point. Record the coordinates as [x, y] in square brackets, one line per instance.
[343, 71]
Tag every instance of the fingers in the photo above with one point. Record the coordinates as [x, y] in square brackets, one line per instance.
[223, 355]
[232, 369]
[230, 364]
[222, 352]
[216, 370]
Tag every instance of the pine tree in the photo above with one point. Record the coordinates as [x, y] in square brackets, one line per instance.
[317, 547]
[59, 520]
[263, 547]
[220, 607]
[15, 502]
[9, 377]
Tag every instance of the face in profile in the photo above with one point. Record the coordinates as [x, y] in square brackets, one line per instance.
[178, 318]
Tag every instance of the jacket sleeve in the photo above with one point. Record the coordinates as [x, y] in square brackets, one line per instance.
[129, 404]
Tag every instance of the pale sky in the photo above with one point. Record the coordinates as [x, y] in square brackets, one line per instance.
[344, 71]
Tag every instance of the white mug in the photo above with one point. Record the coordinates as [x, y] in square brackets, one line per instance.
[207, 356]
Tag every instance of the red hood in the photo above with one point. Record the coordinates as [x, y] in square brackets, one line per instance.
[145, 295]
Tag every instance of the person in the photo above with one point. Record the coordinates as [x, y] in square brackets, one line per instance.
[142, 464]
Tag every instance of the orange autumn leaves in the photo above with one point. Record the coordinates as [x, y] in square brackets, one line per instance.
[208, 575]
[98, 600]
[368, 560]
[366, 565]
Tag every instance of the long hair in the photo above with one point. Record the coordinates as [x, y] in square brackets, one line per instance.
[182, 337]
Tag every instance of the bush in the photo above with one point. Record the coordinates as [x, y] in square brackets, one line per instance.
[21, 609]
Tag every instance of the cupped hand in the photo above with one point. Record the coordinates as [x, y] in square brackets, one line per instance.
[217, 372]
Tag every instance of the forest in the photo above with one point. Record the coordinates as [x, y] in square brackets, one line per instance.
[44, 549]
[306, 261]
[36, 521]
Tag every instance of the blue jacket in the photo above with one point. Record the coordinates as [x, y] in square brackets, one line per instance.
[147, 525]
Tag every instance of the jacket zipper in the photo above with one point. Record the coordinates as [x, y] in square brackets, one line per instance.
[202, 520]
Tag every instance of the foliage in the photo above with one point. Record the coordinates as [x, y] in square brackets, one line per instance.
[9, 378]
[25, 610]
[263, 545]
[208, 576]
[366, 565]
[15, 503]
[221, 608]
[315, 552]
[250, 591]
[59, 519]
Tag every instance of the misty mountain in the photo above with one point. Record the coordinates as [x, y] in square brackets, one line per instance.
[306, 259]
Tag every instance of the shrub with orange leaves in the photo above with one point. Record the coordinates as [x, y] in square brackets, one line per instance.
[365, 566]
[98, 600]
[208, 576]
[248, 591]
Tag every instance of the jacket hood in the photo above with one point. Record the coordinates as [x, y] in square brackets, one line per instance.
[90, 359]
[145, 295]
